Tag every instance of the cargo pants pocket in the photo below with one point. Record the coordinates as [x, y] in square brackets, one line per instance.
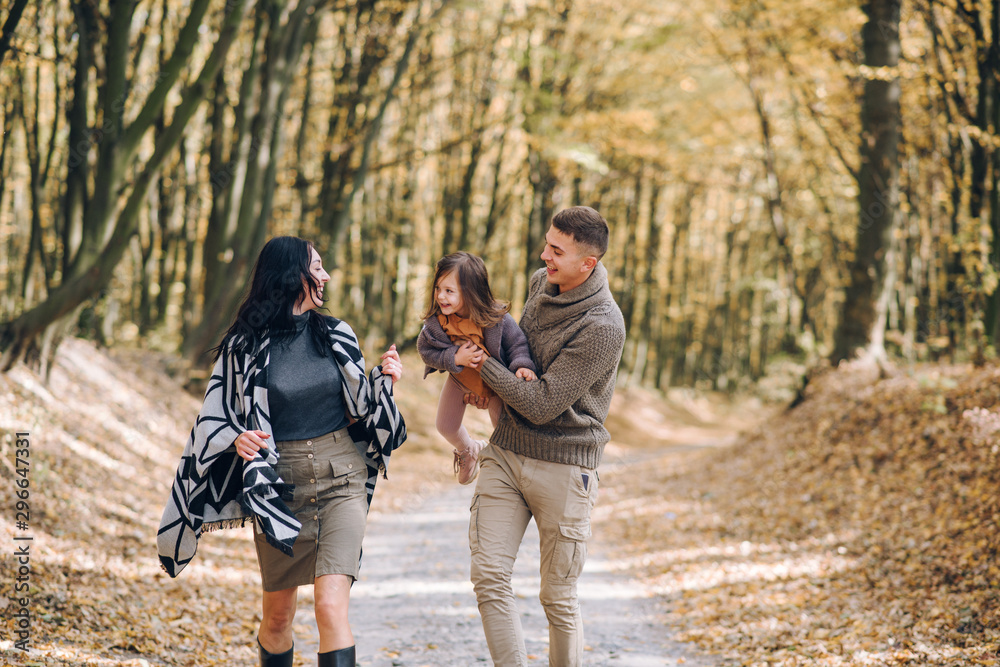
[570, 550]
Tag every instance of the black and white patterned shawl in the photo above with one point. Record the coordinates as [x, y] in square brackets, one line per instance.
[215, 488]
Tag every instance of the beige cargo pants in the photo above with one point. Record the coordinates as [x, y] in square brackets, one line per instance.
[511, 490]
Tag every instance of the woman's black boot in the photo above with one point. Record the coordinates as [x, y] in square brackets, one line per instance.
[275, 659]
[342, 657]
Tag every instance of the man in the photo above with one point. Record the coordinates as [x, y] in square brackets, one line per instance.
[542, 458]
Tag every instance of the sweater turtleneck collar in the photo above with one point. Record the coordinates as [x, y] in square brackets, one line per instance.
[553, 307]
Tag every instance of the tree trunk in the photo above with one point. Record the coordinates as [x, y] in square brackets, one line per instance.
[878, 185]
[342, 218]
[306, 133]
[651, 322]
[543, 184]
[247, 183]
[674, 346]
[349, 90]
[10, 25]
[78, 162]
[145, 271]
[498, 203]
[630, 253]
[991, 70]
[189, 236]
[106, 230]
[36, 190]
[477, 127]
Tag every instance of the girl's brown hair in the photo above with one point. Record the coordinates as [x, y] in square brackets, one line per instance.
[484, 309]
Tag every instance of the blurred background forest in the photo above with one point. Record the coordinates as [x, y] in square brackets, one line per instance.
[786, 181]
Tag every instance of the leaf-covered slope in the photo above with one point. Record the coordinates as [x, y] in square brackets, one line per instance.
[105, 437]
[861, 527]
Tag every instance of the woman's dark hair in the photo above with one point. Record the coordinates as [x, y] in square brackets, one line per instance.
[278, 282]
[470, 273]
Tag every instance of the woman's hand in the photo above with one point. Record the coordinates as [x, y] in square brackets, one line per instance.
[248, 443]
[391, 364]
[469, 355]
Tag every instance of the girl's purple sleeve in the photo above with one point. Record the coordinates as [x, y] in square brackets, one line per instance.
[515, 345]
[436, 349]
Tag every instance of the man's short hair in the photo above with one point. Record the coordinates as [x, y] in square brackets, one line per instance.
[586, 226]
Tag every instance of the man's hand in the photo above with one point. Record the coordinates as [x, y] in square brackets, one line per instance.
[480, 402]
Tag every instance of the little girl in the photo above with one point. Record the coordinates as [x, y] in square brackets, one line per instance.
[463, 324]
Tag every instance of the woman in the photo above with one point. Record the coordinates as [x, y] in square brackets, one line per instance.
[272, 445]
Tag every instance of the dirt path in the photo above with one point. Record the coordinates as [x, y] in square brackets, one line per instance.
[414, 605]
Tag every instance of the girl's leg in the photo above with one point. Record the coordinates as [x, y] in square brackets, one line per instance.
[332, 597]
[278, 612]
[451, 410]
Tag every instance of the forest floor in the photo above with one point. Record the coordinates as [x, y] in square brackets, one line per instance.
[859, 528]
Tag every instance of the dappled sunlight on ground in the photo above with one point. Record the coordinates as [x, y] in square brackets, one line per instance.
[106, 434]
[854, 530]
[703, 569]
[858, 529]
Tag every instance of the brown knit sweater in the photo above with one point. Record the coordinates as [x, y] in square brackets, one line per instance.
[576, 341]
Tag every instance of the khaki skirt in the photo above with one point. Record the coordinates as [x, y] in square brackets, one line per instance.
[329, 475]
